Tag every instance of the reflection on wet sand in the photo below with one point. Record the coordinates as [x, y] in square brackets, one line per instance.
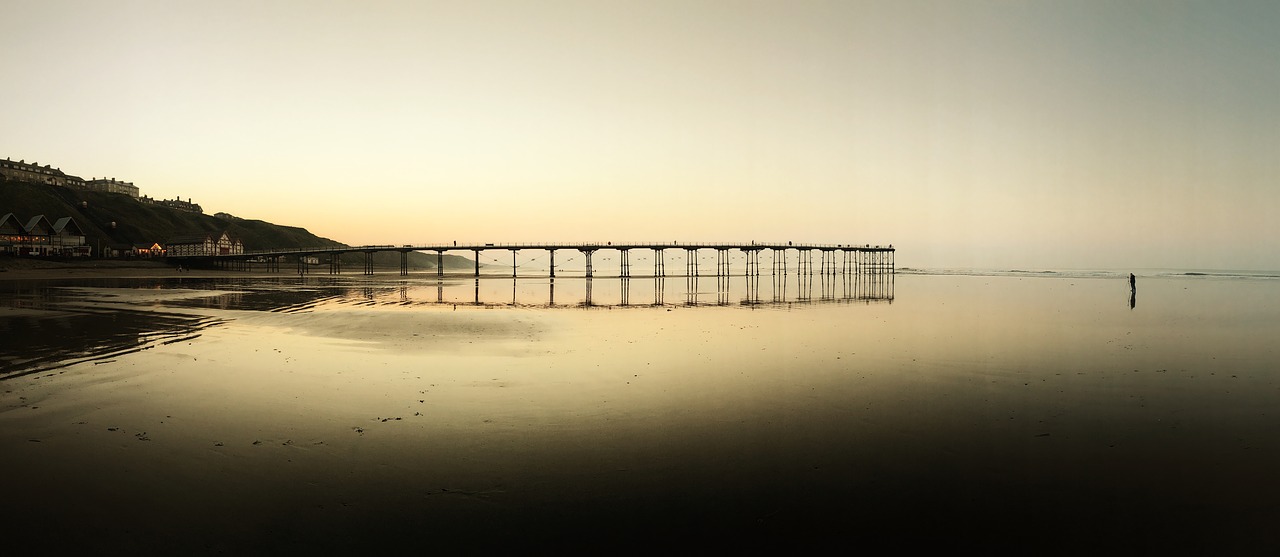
[47, 336]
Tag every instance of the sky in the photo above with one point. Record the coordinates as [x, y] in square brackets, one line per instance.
[985, 134]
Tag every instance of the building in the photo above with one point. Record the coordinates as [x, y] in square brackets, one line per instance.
[174, 203]
[153, 249]
[12, 235]
[68, 238]
[181, 205]
[190, 245]
[112, 186]
[39, 237]
[229, 246]
[196, 245]
[22, 171]
[40, 231]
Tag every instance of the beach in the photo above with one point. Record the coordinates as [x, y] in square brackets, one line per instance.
[259, 414]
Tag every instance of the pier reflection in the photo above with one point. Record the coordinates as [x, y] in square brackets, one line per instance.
[626, 292]
[48, 326]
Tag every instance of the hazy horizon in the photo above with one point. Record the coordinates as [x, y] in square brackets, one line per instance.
[1031, 135]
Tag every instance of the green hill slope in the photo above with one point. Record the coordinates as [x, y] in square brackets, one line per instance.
[112, 219]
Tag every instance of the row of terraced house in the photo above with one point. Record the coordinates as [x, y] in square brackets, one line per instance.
[23, 171]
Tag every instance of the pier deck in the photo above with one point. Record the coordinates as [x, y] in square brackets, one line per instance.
[855, 258]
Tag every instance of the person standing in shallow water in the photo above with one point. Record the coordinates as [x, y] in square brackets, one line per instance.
[1133, 291]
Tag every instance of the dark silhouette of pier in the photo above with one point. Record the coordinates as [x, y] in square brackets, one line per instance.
[834, 259]
[627, 292]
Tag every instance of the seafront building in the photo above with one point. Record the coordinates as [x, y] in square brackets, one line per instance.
[39, 237]
[204, 244]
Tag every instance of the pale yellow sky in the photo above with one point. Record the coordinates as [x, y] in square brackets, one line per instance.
[986, 134]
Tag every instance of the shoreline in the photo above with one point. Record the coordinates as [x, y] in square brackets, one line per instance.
[20, 268]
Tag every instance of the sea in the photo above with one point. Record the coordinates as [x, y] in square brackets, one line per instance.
[1011, 411]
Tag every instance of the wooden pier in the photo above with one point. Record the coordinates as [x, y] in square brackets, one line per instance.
[849, 259]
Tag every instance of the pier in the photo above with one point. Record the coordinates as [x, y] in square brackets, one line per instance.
[844, 259]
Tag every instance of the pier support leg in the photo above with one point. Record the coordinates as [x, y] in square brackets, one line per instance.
[404, 263]
[659, 265]
[513, 264]
[368, 263]
[439, 263]
[625, 265]
[477, 252]
[553, 266]
[587, 253]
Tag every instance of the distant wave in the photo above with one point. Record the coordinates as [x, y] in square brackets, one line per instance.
[1231, 274]
[1083, 273]
[1012, 273]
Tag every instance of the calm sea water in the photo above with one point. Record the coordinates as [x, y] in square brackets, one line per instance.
[1050, 412]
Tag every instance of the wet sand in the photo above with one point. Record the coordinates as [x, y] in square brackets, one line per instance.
[995, 413]
[18, 268]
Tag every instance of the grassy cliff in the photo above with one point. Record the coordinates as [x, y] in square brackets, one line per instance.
[137, 223]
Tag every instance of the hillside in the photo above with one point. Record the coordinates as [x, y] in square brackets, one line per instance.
[137, 223]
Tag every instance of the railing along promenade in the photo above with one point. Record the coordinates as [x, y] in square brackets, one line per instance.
[853, 258]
